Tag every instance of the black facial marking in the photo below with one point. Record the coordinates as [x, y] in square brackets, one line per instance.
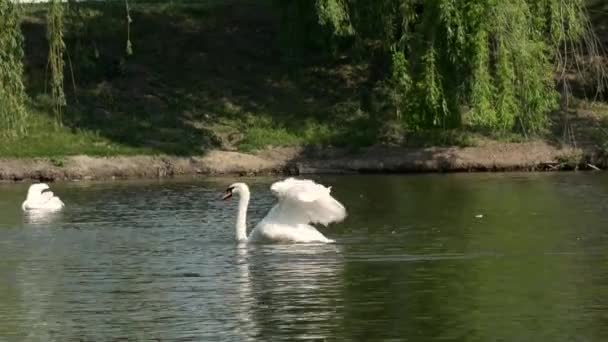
[227, 193]
[45, 190]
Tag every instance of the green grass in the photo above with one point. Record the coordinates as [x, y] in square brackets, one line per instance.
[44, 139]
[313, 133]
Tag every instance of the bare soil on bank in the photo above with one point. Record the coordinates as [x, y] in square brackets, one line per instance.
[529, 156]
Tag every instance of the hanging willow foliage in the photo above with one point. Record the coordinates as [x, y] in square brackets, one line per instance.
[129, 49]
[56, 62]
[483, 63]
[13, 113]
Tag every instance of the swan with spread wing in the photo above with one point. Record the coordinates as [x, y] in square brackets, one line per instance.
[40, 197]
[301, 202]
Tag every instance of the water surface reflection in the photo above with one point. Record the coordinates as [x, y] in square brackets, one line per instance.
[157, 260]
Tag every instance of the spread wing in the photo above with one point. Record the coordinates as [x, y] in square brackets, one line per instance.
[303, 201]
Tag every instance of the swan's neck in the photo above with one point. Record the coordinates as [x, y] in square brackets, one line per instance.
[241, 218]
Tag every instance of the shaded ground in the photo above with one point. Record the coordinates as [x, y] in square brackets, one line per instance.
[585, 124]
[598, 11]
[202, 75]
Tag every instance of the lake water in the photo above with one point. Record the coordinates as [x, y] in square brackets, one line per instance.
[413, 261]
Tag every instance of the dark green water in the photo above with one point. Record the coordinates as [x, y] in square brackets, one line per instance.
[157, 261]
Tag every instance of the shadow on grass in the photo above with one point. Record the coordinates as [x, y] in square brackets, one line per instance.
[202, 75]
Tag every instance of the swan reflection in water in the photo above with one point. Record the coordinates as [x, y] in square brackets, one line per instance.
[41, 217]
[288, 290]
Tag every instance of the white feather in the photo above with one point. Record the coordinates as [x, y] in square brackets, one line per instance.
[303, 202]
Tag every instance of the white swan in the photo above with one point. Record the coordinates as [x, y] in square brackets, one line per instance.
[40, 197]
[300, 202]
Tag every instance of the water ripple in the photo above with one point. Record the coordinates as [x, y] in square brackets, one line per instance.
[158, 261]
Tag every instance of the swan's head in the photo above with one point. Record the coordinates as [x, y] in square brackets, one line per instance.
[37, 189]
[236, 188]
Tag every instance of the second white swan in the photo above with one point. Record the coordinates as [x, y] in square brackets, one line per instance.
[40, 197]
[301, 202]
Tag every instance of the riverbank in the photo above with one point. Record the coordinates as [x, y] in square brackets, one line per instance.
[528, 156]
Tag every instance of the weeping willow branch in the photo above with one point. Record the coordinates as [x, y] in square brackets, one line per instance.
[56, 62]
[13, 113]
[129, 49]
[74, 88]
[482, 63]
[576, 49]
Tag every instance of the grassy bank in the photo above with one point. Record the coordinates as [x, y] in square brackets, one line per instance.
[208, 75]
